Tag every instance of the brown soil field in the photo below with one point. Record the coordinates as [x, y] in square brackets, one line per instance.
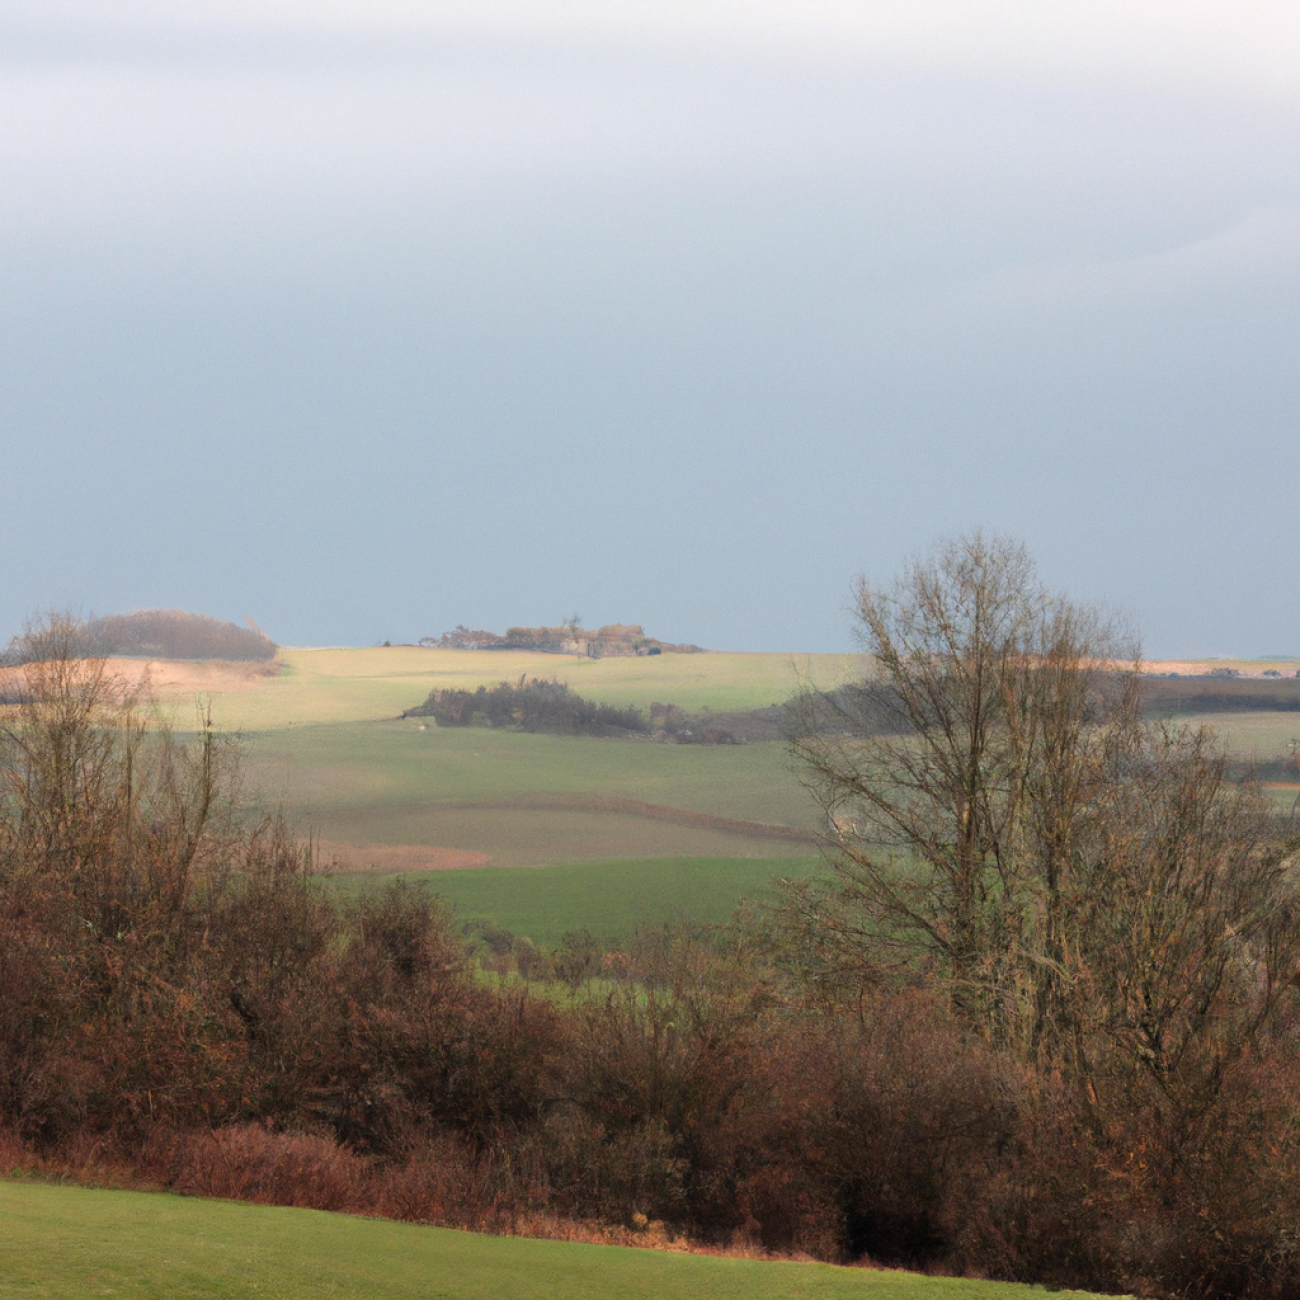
[390, 859]
[174, 679]
[512, 835]
[1221, 694]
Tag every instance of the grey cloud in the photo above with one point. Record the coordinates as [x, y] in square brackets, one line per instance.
[759, 295]
[1261, 248]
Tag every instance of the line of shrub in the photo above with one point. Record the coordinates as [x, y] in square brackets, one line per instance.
[537, 705]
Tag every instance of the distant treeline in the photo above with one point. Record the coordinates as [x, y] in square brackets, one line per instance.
[1220, 693]
[614, 640]
[525, 705]
[555, 708]
[551, 706]
[165, 634]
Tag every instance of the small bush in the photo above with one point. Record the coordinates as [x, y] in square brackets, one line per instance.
[248, 1163]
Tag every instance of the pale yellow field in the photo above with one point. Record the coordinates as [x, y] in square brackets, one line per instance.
[1202, 667]
[360, 685]
[310, 686]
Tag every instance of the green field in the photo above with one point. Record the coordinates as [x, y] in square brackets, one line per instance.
[1262, 736]
[528, 799]
[611, 899]
[331, 685]
[68, 1242]
[325, 744]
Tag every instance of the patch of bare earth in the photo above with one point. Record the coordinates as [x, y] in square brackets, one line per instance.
[393, 858]
[170, 680]
[177, 678]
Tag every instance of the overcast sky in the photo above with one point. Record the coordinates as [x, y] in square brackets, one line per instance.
[367, 318]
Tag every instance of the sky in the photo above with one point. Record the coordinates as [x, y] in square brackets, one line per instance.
[365, 318]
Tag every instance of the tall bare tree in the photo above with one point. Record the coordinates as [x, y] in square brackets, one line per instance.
[98, 802]
[1002, 820]
[953, 772]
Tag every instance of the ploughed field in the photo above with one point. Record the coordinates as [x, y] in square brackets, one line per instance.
[63, 1241]
[529, 799]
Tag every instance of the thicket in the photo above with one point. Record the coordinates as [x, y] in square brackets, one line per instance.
[553, 707]
[529, 705]
[163, 634]
[1041, 1024]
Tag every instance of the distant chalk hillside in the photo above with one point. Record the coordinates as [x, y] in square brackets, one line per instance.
[174, 634]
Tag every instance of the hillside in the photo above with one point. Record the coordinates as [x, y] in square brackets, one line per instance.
[1212, 693]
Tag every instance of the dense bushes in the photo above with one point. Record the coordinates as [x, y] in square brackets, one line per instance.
[553, 707]
[526, 705]
[167, 634]
[1095, 900]
[184, 1000]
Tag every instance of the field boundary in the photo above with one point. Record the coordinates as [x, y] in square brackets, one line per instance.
[605, 803]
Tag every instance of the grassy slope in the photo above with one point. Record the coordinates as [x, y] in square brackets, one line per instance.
[503, 793]
[326, 745]
[347, 685]
[325, 686]
[64, 1241]
[1252, 735]
[608, 898]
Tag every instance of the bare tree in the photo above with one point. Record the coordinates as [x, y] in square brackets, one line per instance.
[98, 801]
[1003, 822]
[954, 774]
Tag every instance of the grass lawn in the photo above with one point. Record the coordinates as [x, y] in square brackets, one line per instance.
[1261, 736]
[68, 1241]
[608, 898]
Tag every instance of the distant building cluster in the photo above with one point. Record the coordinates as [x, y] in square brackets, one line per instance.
[614, 640]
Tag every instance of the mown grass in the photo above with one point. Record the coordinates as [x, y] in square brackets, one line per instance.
[610, 899]
[63, 1241]
[398, 763]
